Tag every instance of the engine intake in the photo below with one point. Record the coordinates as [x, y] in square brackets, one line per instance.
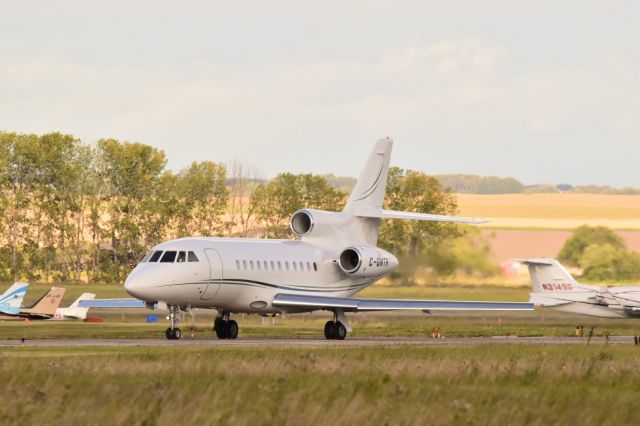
[302, 223]
[366, 262]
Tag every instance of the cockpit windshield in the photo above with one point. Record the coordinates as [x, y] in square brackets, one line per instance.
[170, 257]
[155, 256]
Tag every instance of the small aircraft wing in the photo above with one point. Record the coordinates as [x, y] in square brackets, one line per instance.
[115, 303]
[362, 305]
[392, 214]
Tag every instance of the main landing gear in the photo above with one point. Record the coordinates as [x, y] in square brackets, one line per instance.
[335, 330]
[173, 332]
[225, 328]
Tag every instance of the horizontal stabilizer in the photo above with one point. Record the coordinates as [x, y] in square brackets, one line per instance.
[113, 303]
[359, 305]
[540, 261]
[392, 214]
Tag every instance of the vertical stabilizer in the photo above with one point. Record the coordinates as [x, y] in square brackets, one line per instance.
[74, 311]
[549, 276]
[47, 305]
[11, 300]
[368, 193]
[370, 187]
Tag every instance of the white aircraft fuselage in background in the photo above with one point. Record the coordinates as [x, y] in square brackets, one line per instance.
[334, 257]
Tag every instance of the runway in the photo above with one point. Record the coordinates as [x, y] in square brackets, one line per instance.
[349, 342]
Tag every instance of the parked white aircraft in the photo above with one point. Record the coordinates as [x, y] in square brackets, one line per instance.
[334, 257]
[554, 287]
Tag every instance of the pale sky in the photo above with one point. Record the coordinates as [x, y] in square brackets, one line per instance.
[544, 91]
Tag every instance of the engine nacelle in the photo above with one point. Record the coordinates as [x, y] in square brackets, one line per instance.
[319, 223]
[366, 262]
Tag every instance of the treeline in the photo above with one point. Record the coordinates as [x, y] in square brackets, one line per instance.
[71, 211]
[473, 184]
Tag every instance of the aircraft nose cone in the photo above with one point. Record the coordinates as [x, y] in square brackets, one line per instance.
[133, 285]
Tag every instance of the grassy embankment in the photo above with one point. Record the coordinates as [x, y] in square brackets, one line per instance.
[265, 385]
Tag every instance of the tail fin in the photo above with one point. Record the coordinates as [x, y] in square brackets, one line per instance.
[370, 187]
[11, 300]
[367, 198]
[548, 275]
[74, 311]
[47, 305]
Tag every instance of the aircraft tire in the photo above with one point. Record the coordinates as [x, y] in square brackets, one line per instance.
[169, 333]
[339, 331]
[232, 329]
[328, 330]
[177, 334]
[222, 329]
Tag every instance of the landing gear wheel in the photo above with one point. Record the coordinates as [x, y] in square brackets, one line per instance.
[232, 329]
[173, 333]
[221, 329]
[328, 330]
[218, 324]
[338, 331]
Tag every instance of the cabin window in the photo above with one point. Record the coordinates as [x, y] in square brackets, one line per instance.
[279, 266]
[182, 257]
[237, 264]
[168, 257]
[273, 265]
[258, 265]
[192, 257]
[251, 264]
[286, 265]
[244, 265]
[266, 265]
[295, 267]
[308, 266]
[315, 266]
[302, 266]
[155, 256]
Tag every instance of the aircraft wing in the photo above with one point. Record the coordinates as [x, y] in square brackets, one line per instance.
[393, 214]
[114, 303]
[350, 304]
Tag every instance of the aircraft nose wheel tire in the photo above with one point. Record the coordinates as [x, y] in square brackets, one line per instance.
[173, 333]
[335, 330]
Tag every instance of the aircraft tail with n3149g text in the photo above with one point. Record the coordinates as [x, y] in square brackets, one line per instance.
[333, 257]
[553, 287]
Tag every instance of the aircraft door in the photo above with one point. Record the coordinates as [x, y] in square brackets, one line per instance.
[215, 274]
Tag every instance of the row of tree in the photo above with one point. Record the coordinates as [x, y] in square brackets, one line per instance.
[474, 184]
[71, 211]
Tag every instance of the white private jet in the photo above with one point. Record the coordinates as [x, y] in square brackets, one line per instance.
[554, 287]
[333, 257]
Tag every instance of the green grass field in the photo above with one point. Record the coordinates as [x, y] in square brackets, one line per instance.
[492, 385]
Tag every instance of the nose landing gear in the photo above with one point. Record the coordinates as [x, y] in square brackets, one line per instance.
[173, 332]
[225, 328]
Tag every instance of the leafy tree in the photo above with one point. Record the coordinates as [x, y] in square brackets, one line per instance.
[204, 196]
[276, 201]
[585, 236]
[606, 262]
[415, 191]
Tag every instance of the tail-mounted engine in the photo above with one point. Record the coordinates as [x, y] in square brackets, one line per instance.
[366, 262]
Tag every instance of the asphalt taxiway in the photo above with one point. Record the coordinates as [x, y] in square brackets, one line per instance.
[349, 342]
